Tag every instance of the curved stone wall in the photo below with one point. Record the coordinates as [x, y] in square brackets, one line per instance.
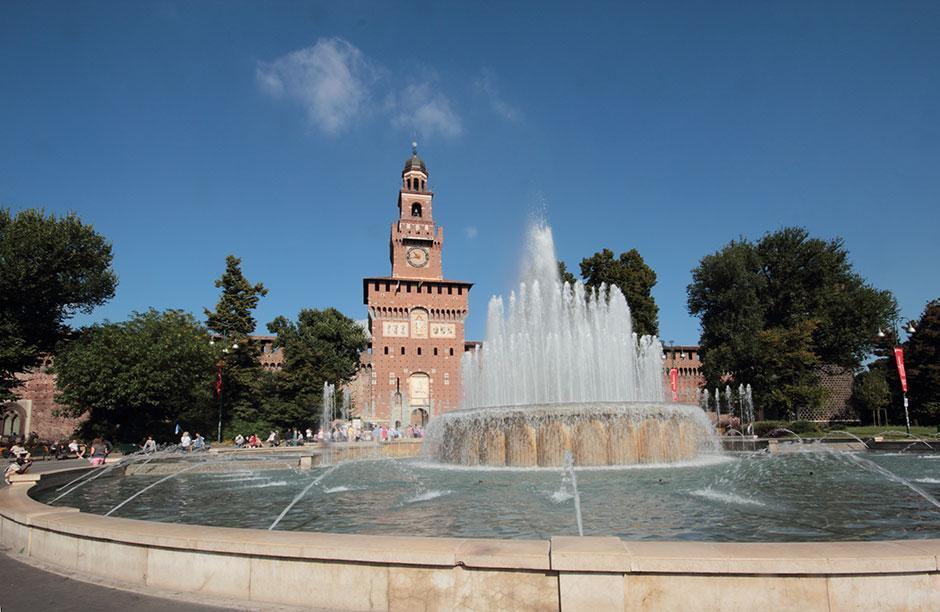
[350, 572]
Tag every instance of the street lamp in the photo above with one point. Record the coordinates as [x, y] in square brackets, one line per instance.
[899, 362]
[218, 382]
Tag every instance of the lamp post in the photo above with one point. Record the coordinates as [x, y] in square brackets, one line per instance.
[218, 381]
[899, 362]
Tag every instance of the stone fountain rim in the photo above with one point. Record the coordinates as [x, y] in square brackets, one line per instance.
[149, 553]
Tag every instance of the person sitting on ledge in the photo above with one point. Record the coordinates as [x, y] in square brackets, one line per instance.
[149, 445]
[20, 462]
[77, 449]
[239, 441]
[98, 451]
[199, 443]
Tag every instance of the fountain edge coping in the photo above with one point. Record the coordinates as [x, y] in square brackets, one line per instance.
[561, 553]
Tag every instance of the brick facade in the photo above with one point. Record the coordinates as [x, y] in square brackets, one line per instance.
[688, 364]
[35, 409]
[416, 318]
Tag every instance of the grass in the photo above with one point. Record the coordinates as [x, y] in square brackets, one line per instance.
[873, 430]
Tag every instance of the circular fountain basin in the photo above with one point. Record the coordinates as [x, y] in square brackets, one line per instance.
[810, 495]
[595, 433]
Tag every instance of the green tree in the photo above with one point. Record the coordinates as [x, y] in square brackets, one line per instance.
[633, 277]
[321, 346]
[50, 268]
[233, 322]
[785, 281]
[565, 274]
[870, 393]
[922, 362]
[139, 377]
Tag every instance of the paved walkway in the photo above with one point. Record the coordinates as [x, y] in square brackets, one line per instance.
[24, 588]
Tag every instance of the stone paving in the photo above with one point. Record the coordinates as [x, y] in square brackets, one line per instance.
[24, 588]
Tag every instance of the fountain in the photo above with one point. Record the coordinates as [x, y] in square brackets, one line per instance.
[562, 371]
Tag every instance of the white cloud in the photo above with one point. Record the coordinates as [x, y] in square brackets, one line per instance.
[331, 80]
[425, 111]
[471, 232]
[486, 84]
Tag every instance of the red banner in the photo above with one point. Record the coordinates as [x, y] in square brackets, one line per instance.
[899, 360]
[218, 381]
[674, 383]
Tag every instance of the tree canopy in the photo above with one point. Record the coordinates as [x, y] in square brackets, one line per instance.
[633, 277]
[50, 268]
[321, 346]
[232, 317]
[242, 397]
[922, 361]
[565, 275]
[138, 377]
[776, 309]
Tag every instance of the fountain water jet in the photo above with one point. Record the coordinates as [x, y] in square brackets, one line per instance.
[562, 371]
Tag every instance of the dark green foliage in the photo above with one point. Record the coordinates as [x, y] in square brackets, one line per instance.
[762, 428]
[566, 276]
[139, 377]
[322, 346]
[804, 427]
[633, 277]
[870, 393]
[773, 311]
[232, 317]
[922, 360]
[50, 268]
[232, 322]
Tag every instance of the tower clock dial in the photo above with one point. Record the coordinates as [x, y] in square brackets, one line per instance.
[417, 257]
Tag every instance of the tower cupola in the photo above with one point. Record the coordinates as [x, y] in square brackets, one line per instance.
[415, 175]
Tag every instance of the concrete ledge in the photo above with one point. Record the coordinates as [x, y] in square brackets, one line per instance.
[345, 571]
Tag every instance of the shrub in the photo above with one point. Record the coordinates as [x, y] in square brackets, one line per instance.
[762, 428]
[801, 427]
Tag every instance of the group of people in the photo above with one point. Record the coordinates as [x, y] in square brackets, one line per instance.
[192, 443]
[21, 459]
[252, 441]
[339, 431]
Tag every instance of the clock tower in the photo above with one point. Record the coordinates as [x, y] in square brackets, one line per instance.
[415, 245]
[416, 317]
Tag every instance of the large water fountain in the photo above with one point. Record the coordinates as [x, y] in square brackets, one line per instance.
[561, 381]
[561, 370]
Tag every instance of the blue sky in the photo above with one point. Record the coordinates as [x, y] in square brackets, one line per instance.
[276, 131]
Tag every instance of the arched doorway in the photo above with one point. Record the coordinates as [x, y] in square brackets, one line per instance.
[419, 416]
[12, 422]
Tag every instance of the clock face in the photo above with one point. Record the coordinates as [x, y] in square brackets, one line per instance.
[417, 257]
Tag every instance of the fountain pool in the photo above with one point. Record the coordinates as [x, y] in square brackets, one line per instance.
[809, 495]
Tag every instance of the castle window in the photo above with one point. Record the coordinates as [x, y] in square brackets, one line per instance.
[435, 351]
[450, 291]
[451, 352]
[386, 350]
[438, 289]
[416, 210]
[419, 350]
[446, 378]
[409, 182]
[402, 350]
